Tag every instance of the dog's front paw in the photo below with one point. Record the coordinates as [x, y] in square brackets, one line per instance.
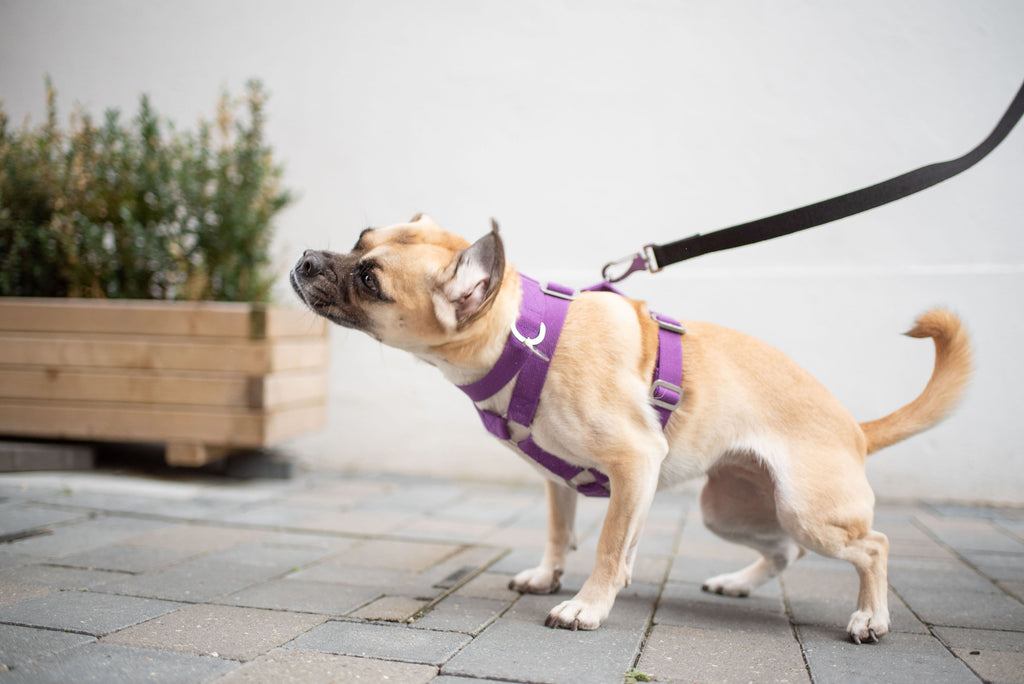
[537, 581]
[867, 627]
[576, 614]
[731, 584]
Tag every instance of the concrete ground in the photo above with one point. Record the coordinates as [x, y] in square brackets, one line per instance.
[328, 578]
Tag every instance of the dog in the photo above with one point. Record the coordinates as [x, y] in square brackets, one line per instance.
[784, 460]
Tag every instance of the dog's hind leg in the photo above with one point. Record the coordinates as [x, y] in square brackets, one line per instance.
[836, 522]
[738, 504]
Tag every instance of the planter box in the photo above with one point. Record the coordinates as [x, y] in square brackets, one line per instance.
[204, 378]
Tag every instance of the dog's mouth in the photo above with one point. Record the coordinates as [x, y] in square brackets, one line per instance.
[314, 294]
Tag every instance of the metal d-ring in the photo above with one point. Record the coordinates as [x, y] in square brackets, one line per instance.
[532, 344]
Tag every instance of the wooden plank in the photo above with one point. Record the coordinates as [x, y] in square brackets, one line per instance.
[254, 357]
[101, 421]
[127, 317]
[293, 421]
[118, 422]
[137, 387]
[283, 322]
[192, 454]
[163, 387]
[294, 387]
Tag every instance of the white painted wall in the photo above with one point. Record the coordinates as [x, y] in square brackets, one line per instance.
[589, 128]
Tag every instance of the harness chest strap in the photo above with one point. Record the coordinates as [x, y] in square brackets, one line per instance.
[526, 357]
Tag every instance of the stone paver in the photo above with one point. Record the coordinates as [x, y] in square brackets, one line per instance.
[388, 642]
[326, 578]
[224, 631]
[674, 653]
[284, 666]
[84, 612]
[101, 663]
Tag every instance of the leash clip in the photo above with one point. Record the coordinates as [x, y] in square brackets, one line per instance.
[644, 260]
[531, 344]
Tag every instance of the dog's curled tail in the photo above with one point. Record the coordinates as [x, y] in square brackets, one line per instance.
[953, 367]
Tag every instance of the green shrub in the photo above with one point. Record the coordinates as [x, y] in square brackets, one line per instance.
[136, 209]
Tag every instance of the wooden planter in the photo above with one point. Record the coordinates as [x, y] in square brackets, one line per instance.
[204, 378]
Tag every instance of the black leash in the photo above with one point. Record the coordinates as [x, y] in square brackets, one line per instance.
[653, 258]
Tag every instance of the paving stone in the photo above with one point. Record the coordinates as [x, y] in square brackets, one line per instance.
[968, 536]
[303, 597]
[389, 642]
[999, 566]
[522, 651]
[104, 663]
[897, 658]
[939, 604]
[994, 667]
[393, 554]
[224, 631]
[20, 645]
[448, 530]
[15, 592]
[516, 561]
[383, 579]
[271, 556]
[123, 558]
[284, 666]
[355, 522]
[271, 514]
[686, 605]
[73, 538]
[462, 614]
[448, 574]
[195, 539]
[674, 653]
[497, 510]
[1013, 588]
[59, 577]
[390, 609]
[415, 498]
[85, 612]
[488, 585]
[981, 639]
[19, 517]
[200, 579]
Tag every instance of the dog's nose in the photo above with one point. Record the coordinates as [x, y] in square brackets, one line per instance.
[311, 264]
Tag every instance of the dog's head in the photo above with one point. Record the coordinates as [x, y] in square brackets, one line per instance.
[413, 286]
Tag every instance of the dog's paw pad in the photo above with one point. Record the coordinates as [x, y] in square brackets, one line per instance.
[575, 615]
[732, 584]
[536, 581]
[867, 628]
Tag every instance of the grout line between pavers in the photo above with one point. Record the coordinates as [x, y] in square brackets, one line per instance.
[966, 561]
[793, 627]
[929, 626]
[661, 587]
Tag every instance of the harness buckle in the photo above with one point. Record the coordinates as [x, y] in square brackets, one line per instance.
[560, 291]
[670, 325]
[669, 387]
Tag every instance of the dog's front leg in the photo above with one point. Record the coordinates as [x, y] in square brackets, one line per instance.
[546, 578]
[632, 491]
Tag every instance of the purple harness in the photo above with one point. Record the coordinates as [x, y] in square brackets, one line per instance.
[526, 357]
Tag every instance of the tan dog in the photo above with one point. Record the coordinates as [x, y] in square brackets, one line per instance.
[784, 459]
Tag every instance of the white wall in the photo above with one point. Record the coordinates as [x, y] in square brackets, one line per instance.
[589, 128]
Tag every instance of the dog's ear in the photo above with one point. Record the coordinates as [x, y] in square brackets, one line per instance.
[474, 277]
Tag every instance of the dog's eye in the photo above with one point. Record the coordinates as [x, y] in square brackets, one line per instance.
[369, 281]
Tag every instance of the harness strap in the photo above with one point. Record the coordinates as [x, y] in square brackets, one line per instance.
[526, 357]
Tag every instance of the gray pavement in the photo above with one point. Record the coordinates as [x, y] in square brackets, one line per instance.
[330, 578]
